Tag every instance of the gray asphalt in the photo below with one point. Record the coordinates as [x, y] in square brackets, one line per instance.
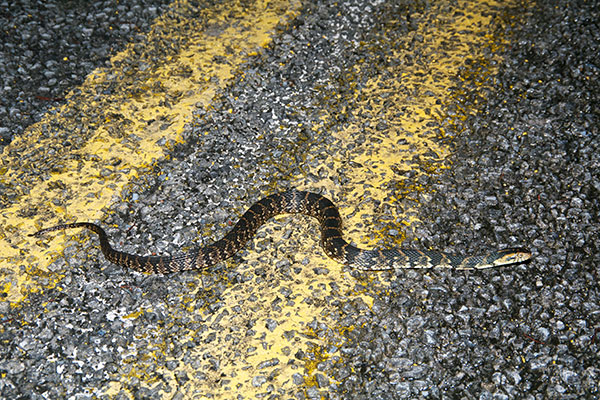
[525, 171]
[48, 47]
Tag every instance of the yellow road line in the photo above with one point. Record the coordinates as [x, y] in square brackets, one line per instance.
[399, 122]
[116, 124]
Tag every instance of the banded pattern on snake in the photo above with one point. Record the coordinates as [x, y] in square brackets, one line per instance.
[297, 202]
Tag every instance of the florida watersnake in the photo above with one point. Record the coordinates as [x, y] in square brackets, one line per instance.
[297, 202]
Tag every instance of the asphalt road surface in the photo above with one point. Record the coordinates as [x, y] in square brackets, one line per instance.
[459, 126]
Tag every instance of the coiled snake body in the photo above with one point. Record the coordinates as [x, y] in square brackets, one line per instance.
[296, 202]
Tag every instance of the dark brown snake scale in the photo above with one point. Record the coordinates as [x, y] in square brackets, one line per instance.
[296, 202]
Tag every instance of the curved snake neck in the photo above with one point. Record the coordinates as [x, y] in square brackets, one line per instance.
[297, 202]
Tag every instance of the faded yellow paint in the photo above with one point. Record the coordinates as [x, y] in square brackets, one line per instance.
[131, 125]
[410, 99]
[134, 121]
[411, 104]
[241, 353]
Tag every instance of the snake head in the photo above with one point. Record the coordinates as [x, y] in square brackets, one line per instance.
[512, 256]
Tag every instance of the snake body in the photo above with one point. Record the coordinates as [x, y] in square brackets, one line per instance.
[297, 202]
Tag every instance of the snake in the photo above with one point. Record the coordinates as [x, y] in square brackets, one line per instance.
[297, 202]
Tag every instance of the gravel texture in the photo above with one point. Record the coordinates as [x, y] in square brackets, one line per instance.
[48, 47]
[525, 171]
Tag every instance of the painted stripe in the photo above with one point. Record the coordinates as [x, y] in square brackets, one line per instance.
[399, 117]
[71, 165]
